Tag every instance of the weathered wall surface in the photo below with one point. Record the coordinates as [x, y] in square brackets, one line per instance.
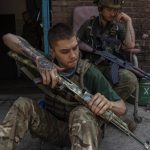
[15, 7]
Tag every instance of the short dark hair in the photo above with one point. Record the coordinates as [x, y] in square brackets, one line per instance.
[60, 31]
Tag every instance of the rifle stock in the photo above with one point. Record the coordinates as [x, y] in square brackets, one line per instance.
[84, 96]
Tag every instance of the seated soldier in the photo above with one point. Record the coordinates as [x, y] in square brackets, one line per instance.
[65, 122]
[111, 31]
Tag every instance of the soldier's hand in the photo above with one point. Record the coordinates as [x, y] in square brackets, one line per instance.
[99, 104]
[48, 71]
[123, 17]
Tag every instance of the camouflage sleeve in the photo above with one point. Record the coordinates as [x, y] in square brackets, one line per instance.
[121, 31]
[95, 82]
[82, 32]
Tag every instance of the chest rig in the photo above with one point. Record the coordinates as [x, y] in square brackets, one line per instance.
[61, 102]
[103, 38]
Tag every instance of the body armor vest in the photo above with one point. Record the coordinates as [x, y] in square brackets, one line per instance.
[61, 102]
[101, 39]
[104, 39]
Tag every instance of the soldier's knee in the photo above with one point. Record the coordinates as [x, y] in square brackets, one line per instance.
[133, 81]
[82, 115]
[80, 112]
[130, 79]
[84, 129]
[23, 103]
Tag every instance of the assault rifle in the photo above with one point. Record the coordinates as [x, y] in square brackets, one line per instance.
[117, 62]
[81, 95]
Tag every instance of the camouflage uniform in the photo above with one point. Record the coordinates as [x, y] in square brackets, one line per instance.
[108, 38]
[77, 127]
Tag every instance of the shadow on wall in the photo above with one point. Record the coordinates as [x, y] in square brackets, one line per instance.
[7, 65]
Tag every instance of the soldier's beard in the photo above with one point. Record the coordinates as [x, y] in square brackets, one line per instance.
[107, 19]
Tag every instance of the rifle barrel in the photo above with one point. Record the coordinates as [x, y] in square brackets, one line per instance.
[125, 64]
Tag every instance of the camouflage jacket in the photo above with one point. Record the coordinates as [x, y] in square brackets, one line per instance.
[108, 38]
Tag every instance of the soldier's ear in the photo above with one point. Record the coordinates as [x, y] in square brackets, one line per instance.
[53, 53]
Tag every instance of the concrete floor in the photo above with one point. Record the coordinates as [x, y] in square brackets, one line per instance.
[113, 140]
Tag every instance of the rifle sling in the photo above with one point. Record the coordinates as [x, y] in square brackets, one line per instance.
[114, 67]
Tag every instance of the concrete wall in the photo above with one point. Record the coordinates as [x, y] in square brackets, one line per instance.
[14, 7]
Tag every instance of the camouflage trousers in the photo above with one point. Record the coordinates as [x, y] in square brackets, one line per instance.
[127, 81]
[127, 84]
[82, 132]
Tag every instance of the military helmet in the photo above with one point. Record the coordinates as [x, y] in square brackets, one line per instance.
[109, 3]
